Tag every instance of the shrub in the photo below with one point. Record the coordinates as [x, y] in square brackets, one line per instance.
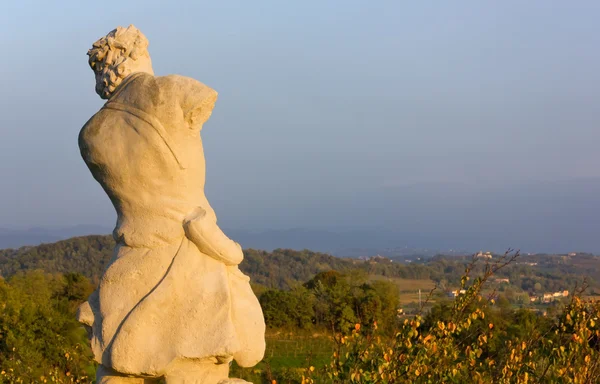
[465, 346]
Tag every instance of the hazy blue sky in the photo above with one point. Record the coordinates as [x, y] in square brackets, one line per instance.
[439, 117]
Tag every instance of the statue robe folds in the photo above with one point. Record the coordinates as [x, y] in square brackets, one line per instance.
[163, 298]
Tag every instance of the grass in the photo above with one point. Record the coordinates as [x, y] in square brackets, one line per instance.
[287, 351]
[297, 352]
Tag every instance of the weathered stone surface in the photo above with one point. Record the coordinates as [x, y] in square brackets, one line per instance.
[172, 302]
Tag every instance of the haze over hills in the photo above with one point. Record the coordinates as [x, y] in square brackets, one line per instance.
[343, 244]
[421, 218]
[15, 238]
[543, 216]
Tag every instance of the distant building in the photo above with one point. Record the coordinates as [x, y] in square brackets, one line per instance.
[548, 297]
[507, 281]
[377, 259]
[456, 292]
[482, 255]
[527, 263]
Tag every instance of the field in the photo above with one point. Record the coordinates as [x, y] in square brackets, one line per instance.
[408, 288]
[288, 351]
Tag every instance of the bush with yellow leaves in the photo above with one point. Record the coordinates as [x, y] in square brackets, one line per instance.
[461, 348]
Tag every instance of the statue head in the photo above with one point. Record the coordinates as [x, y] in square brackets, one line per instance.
[117, 55]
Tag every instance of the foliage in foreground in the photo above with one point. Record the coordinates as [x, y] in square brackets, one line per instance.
[461, 347]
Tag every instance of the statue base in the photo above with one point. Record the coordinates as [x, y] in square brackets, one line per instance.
[182, 372]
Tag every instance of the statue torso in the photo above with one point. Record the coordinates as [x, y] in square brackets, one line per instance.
[150, 165]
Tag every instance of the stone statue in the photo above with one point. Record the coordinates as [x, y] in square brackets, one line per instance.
[172, 303]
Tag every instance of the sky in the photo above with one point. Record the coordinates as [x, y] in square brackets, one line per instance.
[470, 120]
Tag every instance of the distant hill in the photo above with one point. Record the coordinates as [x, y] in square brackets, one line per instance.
[284, 268]
[279, 268]
[87, 255]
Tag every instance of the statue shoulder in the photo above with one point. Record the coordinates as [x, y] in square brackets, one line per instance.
[180, 84]
[195, 99]
[91, 133]
[90, 128]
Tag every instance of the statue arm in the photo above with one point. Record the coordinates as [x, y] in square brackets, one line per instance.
[202, 230]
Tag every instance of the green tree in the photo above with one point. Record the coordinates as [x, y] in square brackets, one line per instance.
[39, 337]
[288, 309]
